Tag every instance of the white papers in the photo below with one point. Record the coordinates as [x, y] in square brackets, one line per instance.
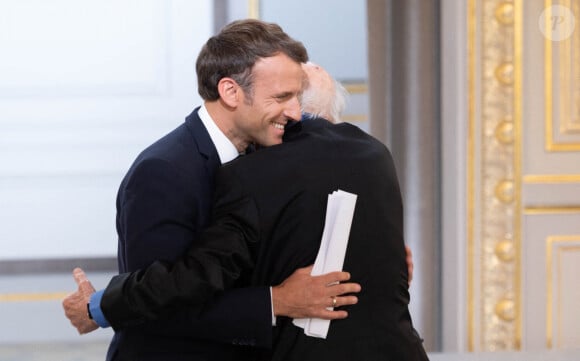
[330, 258]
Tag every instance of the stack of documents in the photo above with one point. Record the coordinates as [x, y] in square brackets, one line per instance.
[330, 258]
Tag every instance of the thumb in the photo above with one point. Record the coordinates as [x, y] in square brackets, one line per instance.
[79, 276]
[86, 288]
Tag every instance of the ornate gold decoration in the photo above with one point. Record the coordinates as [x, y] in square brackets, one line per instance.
[504, 73]
[505, 309]
[504, 191]
[505, 251]
[494, 182]
[552, 178]
[570, 78]
[504, 13]
[504, 132]
[551, 209]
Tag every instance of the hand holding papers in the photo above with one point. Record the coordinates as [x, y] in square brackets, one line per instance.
[330, 258]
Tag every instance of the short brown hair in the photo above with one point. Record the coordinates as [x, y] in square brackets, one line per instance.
[234, 51]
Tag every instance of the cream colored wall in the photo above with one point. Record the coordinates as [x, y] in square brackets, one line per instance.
[84, 87]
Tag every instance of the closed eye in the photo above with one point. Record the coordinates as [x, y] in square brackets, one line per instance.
[284, 96]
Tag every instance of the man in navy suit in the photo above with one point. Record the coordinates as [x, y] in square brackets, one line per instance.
[250, 78]
[268, 220]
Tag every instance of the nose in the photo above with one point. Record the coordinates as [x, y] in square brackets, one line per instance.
[292, 110]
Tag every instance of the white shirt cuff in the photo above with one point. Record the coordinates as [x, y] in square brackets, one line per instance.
[272, 308]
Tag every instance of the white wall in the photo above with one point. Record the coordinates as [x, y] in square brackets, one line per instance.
[84, 86]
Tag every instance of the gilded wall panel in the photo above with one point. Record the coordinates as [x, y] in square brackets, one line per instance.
[495, 116]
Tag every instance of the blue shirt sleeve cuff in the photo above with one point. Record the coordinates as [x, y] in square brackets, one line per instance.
[96, 312]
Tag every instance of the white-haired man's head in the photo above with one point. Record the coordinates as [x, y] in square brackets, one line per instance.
[323, 96]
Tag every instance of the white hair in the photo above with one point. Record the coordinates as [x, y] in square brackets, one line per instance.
[320, 103]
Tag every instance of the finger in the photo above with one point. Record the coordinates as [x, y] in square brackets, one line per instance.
[409, 260]
[67, 300]
[344, 301]
[86, 287]
[332, 315]
[334, 277]
[79, 276]
[343, 288]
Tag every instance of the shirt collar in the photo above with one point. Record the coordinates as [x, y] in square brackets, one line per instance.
[225, 148]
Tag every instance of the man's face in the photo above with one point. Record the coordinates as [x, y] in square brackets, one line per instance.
[277, 87]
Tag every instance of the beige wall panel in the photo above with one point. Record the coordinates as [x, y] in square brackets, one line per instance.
[551, 263]
[551, 194]
[551, 180]
[552, 85]
[564, 290]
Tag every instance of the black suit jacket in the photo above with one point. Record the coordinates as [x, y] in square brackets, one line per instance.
[268, 220]
[163, 203]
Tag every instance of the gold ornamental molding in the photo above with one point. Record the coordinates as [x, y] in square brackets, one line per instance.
[356, 88]
[551, 178]
[33, 297]
[494, 174]
[536, 210]
[562, 77]
[254, 9]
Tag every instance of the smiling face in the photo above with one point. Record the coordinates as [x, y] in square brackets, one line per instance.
[274, 100]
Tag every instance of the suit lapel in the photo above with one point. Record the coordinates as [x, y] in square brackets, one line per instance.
[205, 146]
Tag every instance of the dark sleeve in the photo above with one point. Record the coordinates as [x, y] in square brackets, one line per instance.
[210, 265]
[159, 216]
[241, 316]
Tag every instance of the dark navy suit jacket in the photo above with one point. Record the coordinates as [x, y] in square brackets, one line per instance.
[268, 219]
[163, 203]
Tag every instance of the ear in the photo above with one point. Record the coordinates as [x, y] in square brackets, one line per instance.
[229, 91]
